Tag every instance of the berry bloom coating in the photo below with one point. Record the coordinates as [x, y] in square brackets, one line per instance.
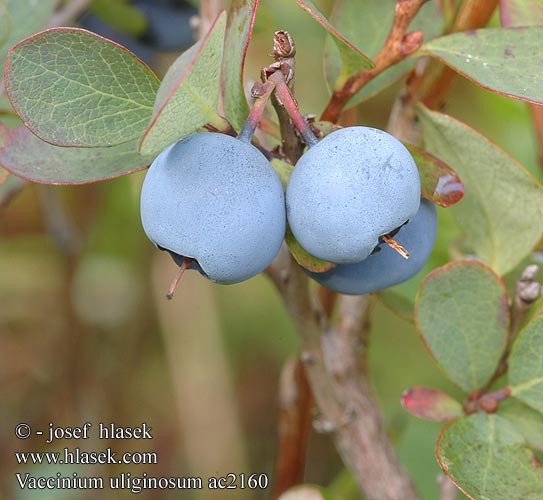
[217, 200]
[386, 267]
[352, 187]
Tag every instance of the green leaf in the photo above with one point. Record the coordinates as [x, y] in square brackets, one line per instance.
[74, 88]
[526, 365]
[239, 28]
[367, 23]
[431, 404]
[488, 460]
[303, 257]
[397, 303]
[525, 420]
[26, 156]
[188, 97]
[502, 210]
[283, 170]
[521, 13]
[120, 15]
[352, 59]
[506, 61]
[25, 18]
[462, 316]
[439, 182]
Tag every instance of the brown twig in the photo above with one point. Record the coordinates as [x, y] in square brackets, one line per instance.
[284, 52]
[69, 13]
[537, 117]
[294, 425]
[398, 46]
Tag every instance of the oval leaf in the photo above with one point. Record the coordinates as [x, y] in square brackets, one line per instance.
[303, 257]
[188, 97]
[239, 28]
[352, 59]
[521, 13]
[525, 420]
[526, 365]
[438, 182]
[74, 88]
[462, 316]
[487, 459]
[431, 404]
[502, 209]
[24, 17]
[367, 24]
[506, 61]
[26, 156]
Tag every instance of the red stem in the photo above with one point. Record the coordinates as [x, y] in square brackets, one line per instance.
[290, 104]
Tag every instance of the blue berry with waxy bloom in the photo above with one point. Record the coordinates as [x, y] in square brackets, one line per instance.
[215, 204]
[349, 189]
[385, 267]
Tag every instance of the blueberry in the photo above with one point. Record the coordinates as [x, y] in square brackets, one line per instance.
[217, 200]
[386, 267]
[352, 187]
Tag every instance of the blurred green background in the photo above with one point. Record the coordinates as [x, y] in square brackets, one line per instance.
[86, 333]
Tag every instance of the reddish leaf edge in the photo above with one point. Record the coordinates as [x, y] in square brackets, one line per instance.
[246, 48]
[473, 80]
[427, 110]
[442, 465]
[414, 394]
[204, 41]
[69, 29]
[328, 27]
[453, 188]
[437, 271]
[55, 183]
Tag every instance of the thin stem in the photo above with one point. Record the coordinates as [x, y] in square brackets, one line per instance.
[398, 46]
[392, 243]
[262, 93]
[290, 104]
[178, 277]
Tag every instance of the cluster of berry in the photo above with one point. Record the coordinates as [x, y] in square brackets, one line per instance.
[216, 204]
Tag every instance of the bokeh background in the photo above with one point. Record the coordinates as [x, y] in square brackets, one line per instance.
[86, 333]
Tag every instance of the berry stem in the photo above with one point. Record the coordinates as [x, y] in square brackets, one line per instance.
[178, 276]
[392, 243]
[287, 99]
[261, 92]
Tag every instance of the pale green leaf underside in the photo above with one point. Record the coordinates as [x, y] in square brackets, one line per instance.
[74, 88]
[189, 95]
[526, 365]
[502, 209]
[462, 316]
[367, 23]
[488, 459]
[26, 156]
[26, 17]
[238, 33]
[352, 58]
[507, 61]
[525, 420]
